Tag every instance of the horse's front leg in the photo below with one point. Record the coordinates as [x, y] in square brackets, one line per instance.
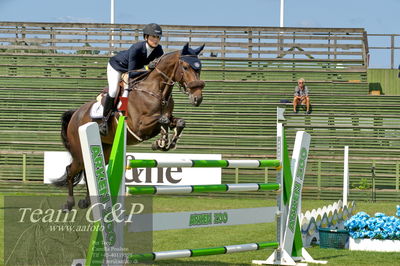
[162, 142]
[177, 124]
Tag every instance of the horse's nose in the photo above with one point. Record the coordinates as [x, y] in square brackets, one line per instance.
[197, 100]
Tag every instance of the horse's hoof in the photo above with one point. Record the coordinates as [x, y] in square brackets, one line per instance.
[83, 203]
[154, 146]
[69, 205]
[66, 207]
[172, 146]
[162, 144]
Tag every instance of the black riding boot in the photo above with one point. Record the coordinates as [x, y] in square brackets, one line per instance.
[108, 106]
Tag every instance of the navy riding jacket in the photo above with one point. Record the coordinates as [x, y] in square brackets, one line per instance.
[134, 58]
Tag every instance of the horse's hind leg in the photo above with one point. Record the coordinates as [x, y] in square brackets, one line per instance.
[84, 203]
[73, 170]
[70, 186]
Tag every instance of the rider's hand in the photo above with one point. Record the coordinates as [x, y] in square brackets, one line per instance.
[151, 65]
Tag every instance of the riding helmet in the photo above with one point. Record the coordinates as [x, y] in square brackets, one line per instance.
[152, 29]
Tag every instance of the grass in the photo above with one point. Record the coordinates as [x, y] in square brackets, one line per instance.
[231, 235]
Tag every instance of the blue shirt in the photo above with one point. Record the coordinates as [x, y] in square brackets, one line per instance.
[134, 58]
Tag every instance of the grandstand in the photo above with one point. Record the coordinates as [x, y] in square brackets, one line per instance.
[46, 69]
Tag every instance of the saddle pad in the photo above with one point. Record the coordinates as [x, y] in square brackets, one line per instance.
[96, 111]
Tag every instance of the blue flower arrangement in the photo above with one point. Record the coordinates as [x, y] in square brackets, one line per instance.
[381, 226]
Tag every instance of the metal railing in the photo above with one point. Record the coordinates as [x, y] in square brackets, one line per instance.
[384, 50]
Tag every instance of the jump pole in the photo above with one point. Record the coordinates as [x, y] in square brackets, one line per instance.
[186, 253]
[205, 163]
[157, 190]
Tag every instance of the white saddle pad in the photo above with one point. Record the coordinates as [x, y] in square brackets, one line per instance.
[96, 111]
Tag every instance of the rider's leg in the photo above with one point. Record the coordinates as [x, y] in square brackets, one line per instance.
[113, 77]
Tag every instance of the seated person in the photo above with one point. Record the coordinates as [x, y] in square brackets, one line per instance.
[301, 96]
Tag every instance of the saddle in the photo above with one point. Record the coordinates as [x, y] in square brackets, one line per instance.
[96, 111]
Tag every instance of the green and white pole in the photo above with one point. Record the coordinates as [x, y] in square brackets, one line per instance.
[248, 187]
[205, 163]
[187, 253]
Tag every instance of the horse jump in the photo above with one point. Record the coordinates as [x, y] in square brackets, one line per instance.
[288, 244]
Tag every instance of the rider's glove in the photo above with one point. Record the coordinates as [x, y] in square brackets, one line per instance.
[151, 65]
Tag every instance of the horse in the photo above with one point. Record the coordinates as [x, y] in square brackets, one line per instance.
[149, 113]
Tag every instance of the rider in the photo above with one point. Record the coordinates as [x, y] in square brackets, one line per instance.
[133, 61]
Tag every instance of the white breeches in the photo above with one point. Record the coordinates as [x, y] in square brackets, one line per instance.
[113, 78]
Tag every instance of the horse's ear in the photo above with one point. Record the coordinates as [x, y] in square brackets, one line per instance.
[185, 49]
[198, 50]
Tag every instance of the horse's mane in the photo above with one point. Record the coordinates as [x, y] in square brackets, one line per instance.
[166, 55]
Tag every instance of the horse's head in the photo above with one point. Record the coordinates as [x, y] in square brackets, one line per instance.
[188, 74]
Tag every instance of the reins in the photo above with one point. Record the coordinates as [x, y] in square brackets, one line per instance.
[166, 90]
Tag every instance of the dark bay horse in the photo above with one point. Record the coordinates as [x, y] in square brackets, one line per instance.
[149, 113]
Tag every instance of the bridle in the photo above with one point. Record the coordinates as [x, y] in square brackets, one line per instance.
[169, 81]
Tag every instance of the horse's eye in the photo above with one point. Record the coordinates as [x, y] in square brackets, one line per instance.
[185, 68]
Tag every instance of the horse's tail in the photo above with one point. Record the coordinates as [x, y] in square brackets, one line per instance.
[65, 118]
[61, 181]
